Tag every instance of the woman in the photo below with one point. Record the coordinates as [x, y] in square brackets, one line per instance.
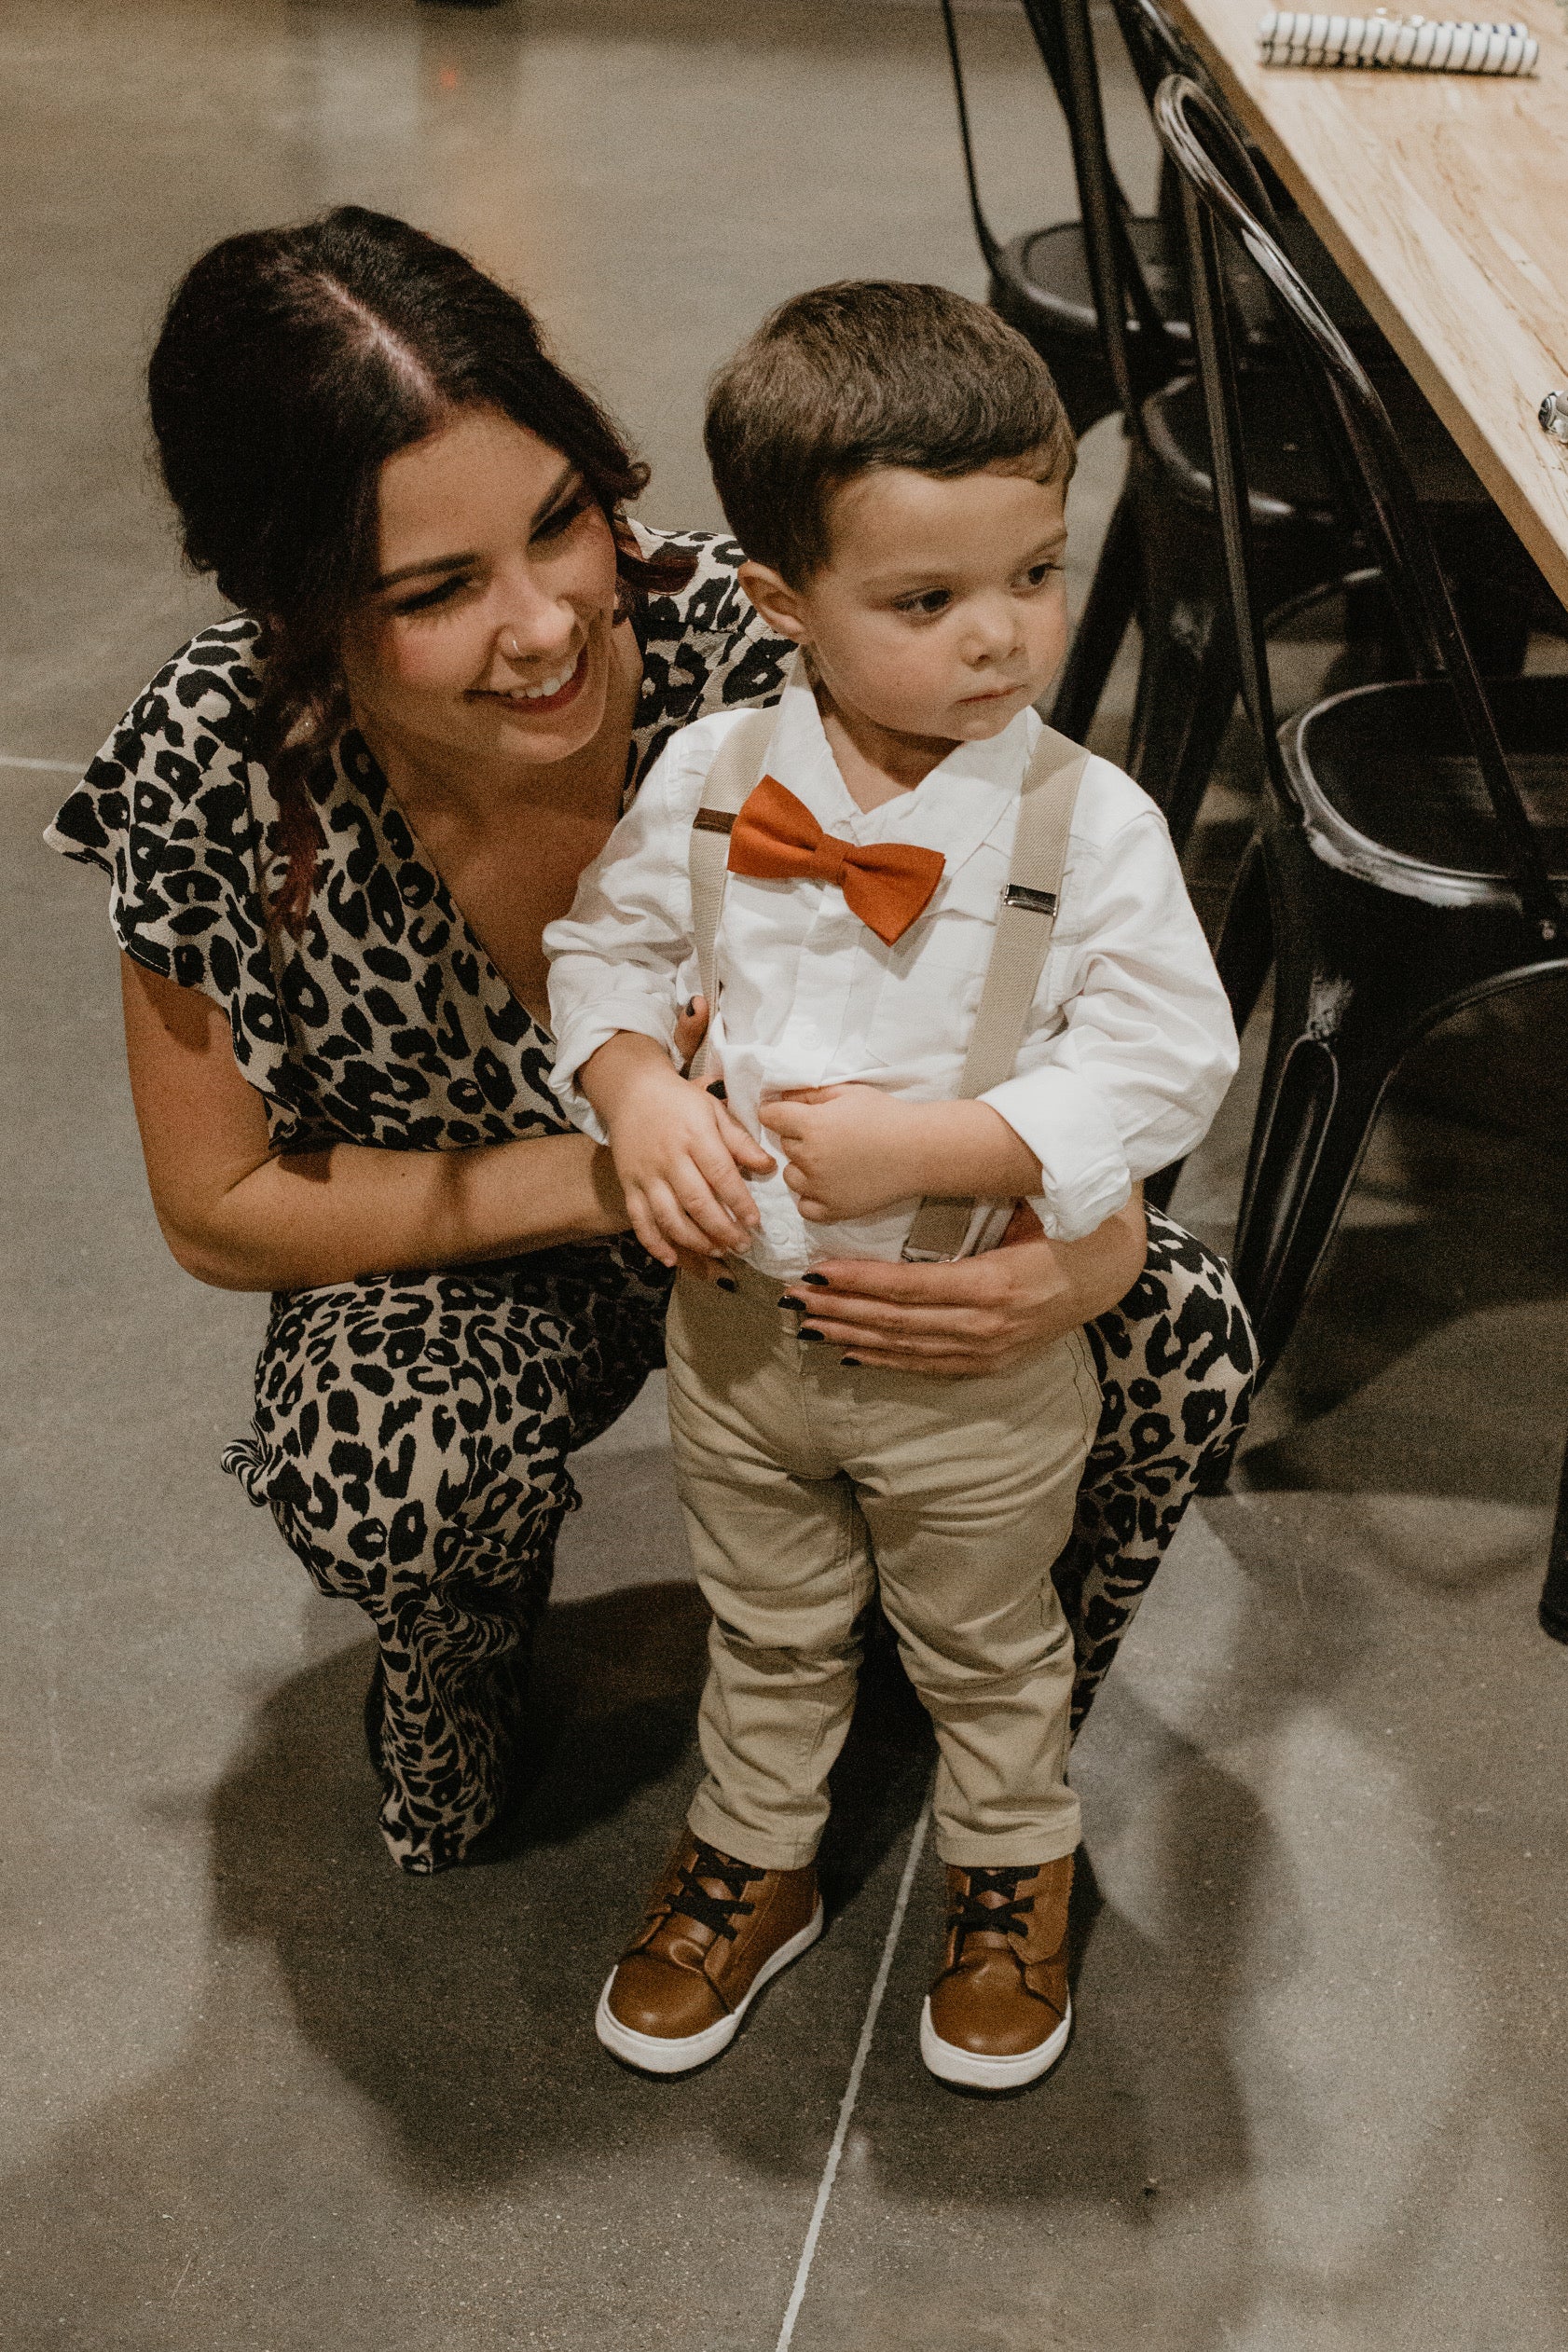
[336, 827]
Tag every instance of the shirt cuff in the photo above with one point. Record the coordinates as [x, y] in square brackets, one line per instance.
[1062, 1119]
[581, 1038]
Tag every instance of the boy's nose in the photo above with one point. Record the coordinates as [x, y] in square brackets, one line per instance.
[993, 635]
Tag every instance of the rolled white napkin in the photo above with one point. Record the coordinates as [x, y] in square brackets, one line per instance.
[1294, 36]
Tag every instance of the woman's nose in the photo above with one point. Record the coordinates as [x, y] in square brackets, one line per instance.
[533, 628]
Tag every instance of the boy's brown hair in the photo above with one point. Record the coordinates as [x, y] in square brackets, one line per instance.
[870, 373]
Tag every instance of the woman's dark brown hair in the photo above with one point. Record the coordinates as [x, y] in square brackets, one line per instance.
[291, 363]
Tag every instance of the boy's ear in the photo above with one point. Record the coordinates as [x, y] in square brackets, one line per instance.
[774, 600]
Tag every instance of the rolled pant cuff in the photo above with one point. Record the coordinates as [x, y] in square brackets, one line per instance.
[1018, 1850]
[706, 1822]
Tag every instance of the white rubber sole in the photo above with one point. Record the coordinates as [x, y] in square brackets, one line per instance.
[976, 2073]
[658, 2054]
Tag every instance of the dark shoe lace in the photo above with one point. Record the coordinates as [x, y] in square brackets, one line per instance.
[971, 1915]
[720, 1913]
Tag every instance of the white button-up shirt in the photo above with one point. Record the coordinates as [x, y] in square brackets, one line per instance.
[1130, 1045]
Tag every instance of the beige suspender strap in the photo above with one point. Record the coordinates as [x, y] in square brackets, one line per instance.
[1019, 948]
[737, 769]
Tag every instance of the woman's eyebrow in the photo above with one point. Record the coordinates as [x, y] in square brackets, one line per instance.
[413, 570]
[552, 499]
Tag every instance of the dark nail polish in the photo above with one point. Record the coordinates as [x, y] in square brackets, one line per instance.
[798, 1305]
[725, 1283]
[815, 1336]
[718, 1088]
[851, 1359]
[691, 1007]
[819, 1282]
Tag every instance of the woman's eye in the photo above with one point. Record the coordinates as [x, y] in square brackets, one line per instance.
[563, 516]
[428, 598]
[1038, 573]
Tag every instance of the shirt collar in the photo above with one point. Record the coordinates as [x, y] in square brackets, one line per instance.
[951, 810]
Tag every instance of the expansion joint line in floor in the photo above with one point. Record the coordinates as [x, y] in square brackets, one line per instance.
[852, 2088]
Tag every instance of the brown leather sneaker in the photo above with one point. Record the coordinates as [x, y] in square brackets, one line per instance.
[716, 1931]
[999, 2013]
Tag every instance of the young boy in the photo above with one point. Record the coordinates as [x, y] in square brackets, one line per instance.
[894, 462]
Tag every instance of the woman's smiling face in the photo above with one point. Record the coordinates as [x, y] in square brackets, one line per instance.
[484, 645]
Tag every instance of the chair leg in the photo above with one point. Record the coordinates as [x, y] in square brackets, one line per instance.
[1554, 1593]
[1246, 947]
[1244, 951]
[1107, 615]
[1496, 624]
[1325, 1077]
[1242, 958]
[1187, 690]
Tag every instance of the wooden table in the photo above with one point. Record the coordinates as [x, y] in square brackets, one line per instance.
[1444, 200]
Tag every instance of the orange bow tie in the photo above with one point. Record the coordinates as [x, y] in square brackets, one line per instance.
[776, 838]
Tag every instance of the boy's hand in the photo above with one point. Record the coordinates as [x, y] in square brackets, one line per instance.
[678, 1152]
[850, 1150]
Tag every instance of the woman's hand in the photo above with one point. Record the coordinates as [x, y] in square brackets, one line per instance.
[691, 1027]
[981, 1315]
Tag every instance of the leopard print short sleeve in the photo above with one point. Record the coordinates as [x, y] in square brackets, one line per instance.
[386, 1022]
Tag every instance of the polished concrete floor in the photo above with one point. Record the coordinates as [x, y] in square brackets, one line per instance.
[261, 2094]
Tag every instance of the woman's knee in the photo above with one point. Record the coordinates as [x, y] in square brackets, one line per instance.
[383, 1438]
[1177, 1357]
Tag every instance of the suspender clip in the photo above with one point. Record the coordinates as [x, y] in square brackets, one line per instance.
[1031, 902]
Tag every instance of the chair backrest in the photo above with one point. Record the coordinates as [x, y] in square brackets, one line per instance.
[1065, 44]
[1221, 189]
[1153, 44]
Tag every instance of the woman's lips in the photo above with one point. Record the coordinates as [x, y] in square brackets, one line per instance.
[543, 705]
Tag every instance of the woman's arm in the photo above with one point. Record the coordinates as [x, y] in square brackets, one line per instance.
[981, 1315]
[238, 1217]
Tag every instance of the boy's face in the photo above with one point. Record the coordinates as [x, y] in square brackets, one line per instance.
[942, 611]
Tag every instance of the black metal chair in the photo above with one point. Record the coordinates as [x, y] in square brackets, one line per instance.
[1160, 558]
[1413, 835]
[1041, 282]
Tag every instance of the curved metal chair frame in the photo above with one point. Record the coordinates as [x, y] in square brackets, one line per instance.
[1160, 561]
[1414, 837]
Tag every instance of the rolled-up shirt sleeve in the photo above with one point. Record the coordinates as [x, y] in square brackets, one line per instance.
[1136, 1056]
[615, 960]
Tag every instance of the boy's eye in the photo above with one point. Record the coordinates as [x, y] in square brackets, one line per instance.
[928, 603]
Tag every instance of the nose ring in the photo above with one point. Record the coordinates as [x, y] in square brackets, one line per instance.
[514, 649]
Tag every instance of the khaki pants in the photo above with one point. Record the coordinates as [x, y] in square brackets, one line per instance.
[807, 1485]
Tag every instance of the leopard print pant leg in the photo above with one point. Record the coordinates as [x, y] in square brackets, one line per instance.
[411, 1439]
[1177, 1366]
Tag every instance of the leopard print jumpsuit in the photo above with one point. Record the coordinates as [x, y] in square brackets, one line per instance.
[412, 1430]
